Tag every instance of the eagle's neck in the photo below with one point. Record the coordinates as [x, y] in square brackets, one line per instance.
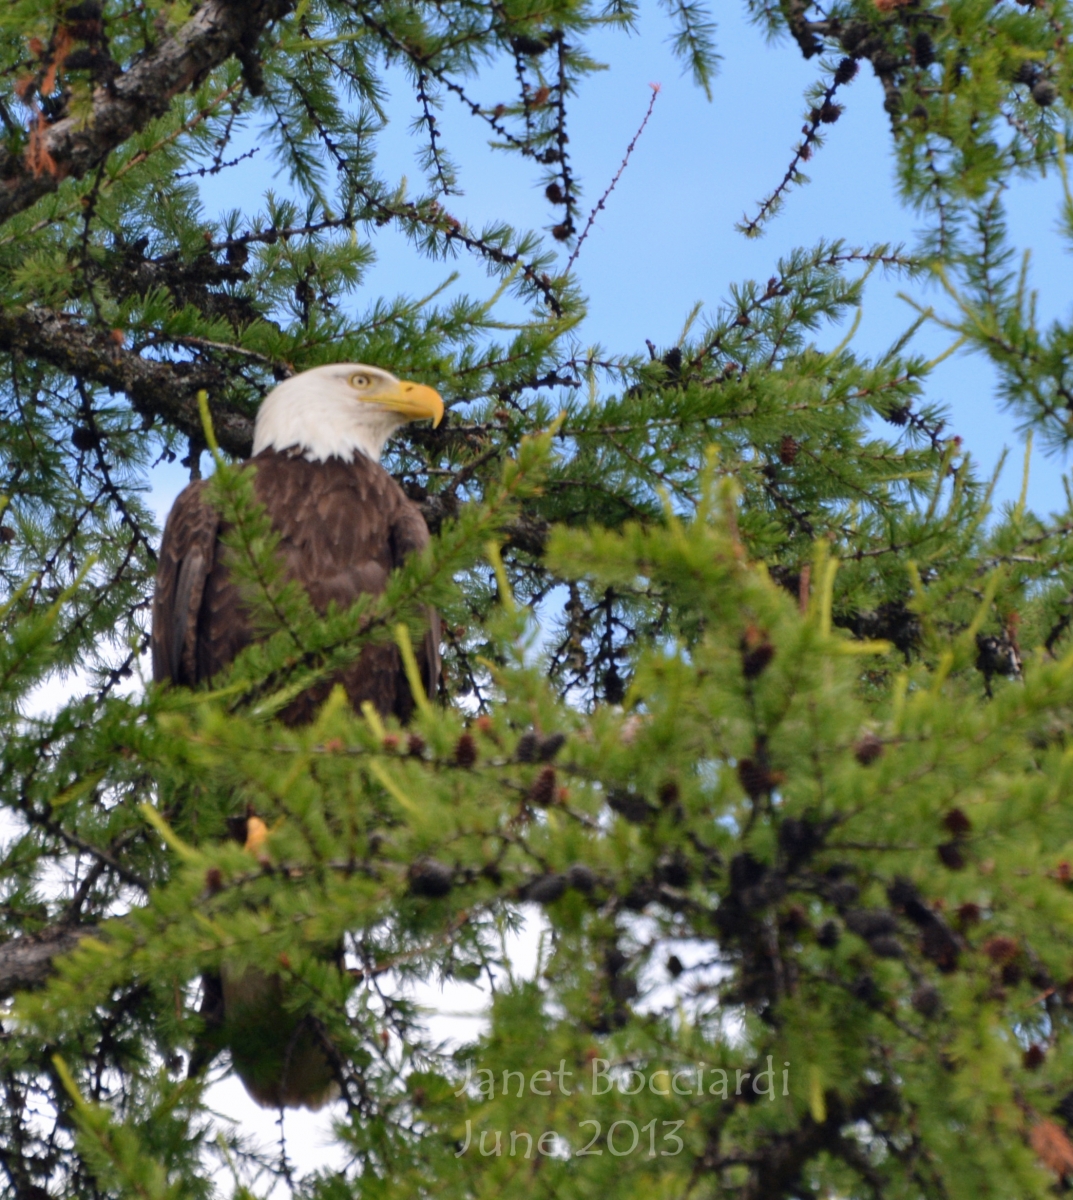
[313, 420]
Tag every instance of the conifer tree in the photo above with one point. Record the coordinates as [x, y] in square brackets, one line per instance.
[781, 780]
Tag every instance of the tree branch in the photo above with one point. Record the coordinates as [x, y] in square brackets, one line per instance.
[74, 145]
[26, 962]
[156, 388]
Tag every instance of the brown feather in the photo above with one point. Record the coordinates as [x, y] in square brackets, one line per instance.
[187, 553]
[343, 528]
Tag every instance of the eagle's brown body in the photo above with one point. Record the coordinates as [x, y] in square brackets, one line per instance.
[343, 528]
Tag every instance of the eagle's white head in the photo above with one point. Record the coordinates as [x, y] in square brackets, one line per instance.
[339, 409]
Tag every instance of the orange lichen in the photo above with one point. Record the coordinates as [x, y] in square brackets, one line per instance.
[1052, 1147]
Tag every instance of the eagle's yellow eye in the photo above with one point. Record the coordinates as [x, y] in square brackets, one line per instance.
[360, 381]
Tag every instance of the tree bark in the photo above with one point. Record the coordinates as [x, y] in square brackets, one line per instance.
[27, 962]
[156, 389]
[71, 147]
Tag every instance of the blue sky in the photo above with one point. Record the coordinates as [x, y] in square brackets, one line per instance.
[667, 237]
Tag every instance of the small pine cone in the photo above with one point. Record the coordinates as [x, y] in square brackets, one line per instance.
[1012, 974]
[527, 748]
[1044, 93]
[828, 935]
[830, 113]
[7, 534]
[799, 838]
[843, 893]
[561, 233]
[755, 661]
[668, 793]
[554, 194]
[214, 880]
[903, 895]
[951, 855]
[542, 793]
[898, 414]
[940, 945]
[672, 360]
[868, 749]
[581, 878]
[615, 960]
[623, 987]
[1033, 1057]
[756, 779]
[886, 946]
[795, 919]
[466, 751]
[923, 50]
[789, 448]
[84, 439]
[845, 71]
[614, 687]
[415, 745]
[545, 890]
[550, 746]
[430, 878]
[864, 988]
[926, 1000]
[673, 869]
[968, 914]
[674, 966]
[1001, 949]
[524, 44]
[870, 923]
[956, 822]
[630, 805]
[901, 890]
[236, 829]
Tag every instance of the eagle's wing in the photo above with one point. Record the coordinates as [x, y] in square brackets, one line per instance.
[431, 652]
[187, 556]
[409, 535]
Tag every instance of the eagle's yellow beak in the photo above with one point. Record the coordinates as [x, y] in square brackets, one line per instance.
[414, 401]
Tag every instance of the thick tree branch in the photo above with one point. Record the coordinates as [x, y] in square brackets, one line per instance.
[74, 145]
[26, 962]
[156, 388]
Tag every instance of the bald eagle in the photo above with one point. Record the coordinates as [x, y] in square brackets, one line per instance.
[344, 524]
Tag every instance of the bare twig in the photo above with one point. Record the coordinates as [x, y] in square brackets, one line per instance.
[823, 113]
[618, 175]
